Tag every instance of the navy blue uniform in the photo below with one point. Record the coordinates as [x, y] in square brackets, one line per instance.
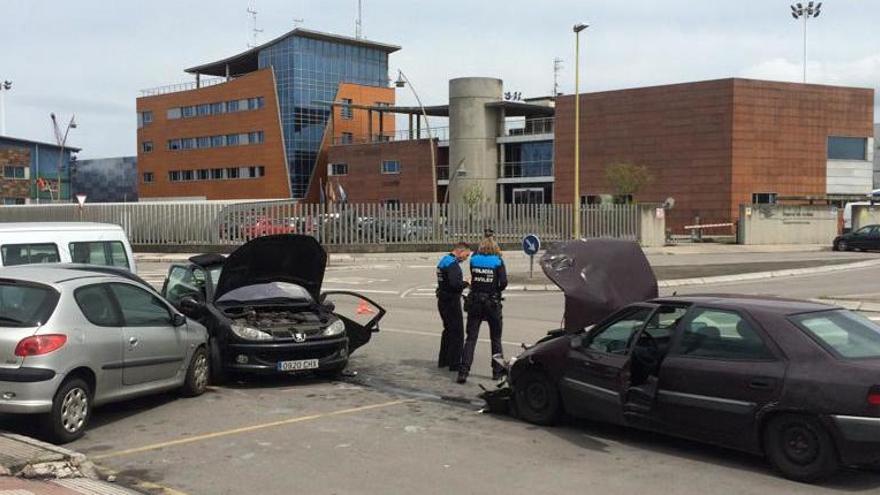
[450, 284]
[488, 280]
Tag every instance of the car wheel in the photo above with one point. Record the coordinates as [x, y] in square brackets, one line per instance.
[71, 410]
[841, 246]
[800, 448]
[537, 398]
[218, 374]
[198, 374]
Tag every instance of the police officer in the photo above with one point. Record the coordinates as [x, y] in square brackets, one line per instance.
[450, 284]
[488, 280]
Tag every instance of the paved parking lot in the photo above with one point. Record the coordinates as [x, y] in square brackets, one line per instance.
[400, 425]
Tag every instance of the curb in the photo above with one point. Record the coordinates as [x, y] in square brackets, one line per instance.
[852, 305]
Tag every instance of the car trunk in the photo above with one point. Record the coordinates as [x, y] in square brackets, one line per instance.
[24, 307]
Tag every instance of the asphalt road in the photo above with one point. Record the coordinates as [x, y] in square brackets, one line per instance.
[402, 426]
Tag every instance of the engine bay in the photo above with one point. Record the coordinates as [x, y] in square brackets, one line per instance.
[281, 322]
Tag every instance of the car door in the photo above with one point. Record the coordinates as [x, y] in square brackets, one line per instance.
[721, 371]
[861, 238]
[597, 366]
[360, 314]
[183, 281]
[104, 338]
[872, 240]
[155, 348]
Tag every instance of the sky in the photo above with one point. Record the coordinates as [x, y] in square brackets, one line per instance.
[91, 58]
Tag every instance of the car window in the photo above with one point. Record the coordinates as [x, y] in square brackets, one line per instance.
[865, 230]
[720, 334]
[25, 305]
[25, 254]
[849, 335]
[184, 282]
[662, 324]
[140, 308]
[104, 253]
[97, 305]
[615, 337]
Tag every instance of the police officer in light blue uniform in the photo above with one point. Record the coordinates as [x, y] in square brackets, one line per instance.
[450, 284]
[488, 280]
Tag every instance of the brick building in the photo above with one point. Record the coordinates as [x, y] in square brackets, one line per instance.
[24, 162]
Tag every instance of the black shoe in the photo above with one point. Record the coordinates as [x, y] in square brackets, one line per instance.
[462, 377]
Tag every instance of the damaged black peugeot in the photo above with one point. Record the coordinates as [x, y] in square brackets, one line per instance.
[795, 381]
[265, 311]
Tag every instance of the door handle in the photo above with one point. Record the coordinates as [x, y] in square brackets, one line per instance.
[762, 383]
[132, 342]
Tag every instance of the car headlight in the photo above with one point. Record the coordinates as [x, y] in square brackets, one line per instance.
[335, 328]
[249, 333]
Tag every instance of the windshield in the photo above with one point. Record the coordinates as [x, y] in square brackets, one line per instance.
[847, 334]
[262, 292]
[25, 305]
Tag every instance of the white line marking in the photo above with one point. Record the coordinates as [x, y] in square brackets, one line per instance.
[365, 291]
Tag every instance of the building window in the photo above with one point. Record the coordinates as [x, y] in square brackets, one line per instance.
[174, 176]
[232, 140]
[14, 172]
[255, 137]
[392, 204]
[174, 144]
[847, 148]
[147, 146]
[255, 103]
[186, 175]
[188, 143]
[591, 200]
[204, 142]
[148, 177]
[173, 113]
[528, 196]
[188, 112]
[232, 106]
[203, 109]
[216, 173]
[232, 173]
[763, 198]
[347, 112]
[147, 117]
[203, 174]
[390, 167]
[218, 141]
[218, 108]
[338, 169]
[13, 201]
[346, 138]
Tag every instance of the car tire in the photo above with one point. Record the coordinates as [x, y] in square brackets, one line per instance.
[197, 374]
[800, 448]
[841, 246]
[71, 411]
[537, 398]
[219, 376]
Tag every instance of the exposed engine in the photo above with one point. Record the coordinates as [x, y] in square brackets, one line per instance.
[281, 323]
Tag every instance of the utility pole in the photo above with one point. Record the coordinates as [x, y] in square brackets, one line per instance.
[576, 202]
[4, 87]
[557, 68]
[805, 12]
[61, 140]
[359, 22]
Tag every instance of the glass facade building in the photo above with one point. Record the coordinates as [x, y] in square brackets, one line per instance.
[528, 159]
[308, 71]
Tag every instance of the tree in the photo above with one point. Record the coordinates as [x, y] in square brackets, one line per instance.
[474, 195]
[627, 179]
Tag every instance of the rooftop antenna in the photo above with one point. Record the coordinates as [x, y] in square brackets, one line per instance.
[297, 22]
[359, 22]
[255, 31]
[557, 68]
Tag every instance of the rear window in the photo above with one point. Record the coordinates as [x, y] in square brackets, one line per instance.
[848, 335]
[105, 253]
[25, 305]
[26, 254]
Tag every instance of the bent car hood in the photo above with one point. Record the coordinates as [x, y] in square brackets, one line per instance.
[598, 277]
[291, 258]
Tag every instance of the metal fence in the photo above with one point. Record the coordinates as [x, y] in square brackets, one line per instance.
[227, 222]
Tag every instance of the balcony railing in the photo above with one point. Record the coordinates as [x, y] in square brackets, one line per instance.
[442, 172]
[528, 127]
[439, 133]
[516, 170]
[175, 88]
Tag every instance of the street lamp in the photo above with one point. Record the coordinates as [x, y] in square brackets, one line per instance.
[805, 12]
[402, 81]
[576, 212]
[61, 140]
[4, 87]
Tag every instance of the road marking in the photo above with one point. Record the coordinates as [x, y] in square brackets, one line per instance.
[364, 291]
[247, 429]
[437, 335]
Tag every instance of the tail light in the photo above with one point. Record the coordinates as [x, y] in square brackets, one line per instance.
[40, 344]
[874, 396]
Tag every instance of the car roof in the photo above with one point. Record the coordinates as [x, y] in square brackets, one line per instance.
[56, 273]
[767, 304]
[56, 226]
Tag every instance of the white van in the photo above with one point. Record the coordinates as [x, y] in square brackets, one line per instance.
[65, 242]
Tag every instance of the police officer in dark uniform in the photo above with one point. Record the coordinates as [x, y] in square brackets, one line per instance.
[450, 284]
[488, 280]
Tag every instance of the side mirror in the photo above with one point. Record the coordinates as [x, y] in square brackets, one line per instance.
[191, 305]
[178, 320]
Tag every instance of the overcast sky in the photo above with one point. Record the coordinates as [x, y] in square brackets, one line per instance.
[91, 57]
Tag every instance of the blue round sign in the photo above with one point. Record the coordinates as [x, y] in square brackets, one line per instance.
[531, 244]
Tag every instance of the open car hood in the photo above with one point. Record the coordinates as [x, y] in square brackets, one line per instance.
[598, 277]
[291, 258]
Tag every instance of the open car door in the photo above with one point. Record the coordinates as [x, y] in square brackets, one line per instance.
[360, 314]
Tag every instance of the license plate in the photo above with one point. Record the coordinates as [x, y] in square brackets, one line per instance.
[303, 364]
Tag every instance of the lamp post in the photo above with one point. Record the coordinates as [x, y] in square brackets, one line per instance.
[402, 81]
[4, 87]
[576, 212]
[805, 12]
[61, 140]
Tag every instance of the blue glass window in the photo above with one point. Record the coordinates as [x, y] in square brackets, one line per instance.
[204, 142]
[847, 148]
[232, 140]
[218, 141]
[390, 167]
[188, 111]
[218, 108]
[232, 106]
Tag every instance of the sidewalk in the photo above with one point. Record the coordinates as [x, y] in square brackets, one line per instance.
[31, 467]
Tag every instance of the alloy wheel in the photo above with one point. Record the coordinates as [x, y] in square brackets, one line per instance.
[201, 372]
[74, 409]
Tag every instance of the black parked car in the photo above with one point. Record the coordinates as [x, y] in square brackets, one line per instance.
[865, 238]
[796, 381]
[265, 311]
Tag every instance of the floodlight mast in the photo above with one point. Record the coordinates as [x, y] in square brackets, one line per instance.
[805, 12]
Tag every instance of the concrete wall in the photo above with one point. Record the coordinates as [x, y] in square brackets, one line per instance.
[849, 176]
[652, 227]
[779, 224]
[865, 215]
[473, 130]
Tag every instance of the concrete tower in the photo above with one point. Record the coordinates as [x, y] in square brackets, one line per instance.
[474, 128]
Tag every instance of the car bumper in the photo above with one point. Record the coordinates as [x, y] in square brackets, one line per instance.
[28, 390]
[858, 439]
[264, 358]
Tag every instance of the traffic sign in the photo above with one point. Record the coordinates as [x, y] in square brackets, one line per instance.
[531, 244]
[81, 199]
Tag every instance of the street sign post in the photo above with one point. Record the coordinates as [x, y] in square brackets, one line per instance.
[80, 200]
[531, 244]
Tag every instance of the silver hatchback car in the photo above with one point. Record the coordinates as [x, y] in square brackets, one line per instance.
[75, 337]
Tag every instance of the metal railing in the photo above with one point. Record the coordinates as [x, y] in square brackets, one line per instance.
[205, 223]
[442, 172]
[524, 127]
[438, 133]
[175, 88]
[535, 168]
